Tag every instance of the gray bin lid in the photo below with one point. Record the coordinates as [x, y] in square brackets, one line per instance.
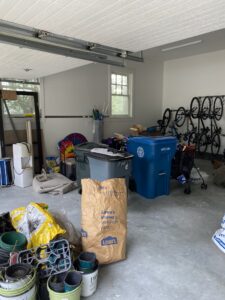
[86, 147]
[115, 155]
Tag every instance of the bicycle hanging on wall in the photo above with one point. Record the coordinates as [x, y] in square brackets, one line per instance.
[211, 108]
[201, 123]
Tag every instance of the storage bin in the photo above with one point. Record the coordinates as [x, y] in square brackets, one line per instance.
[104, 167]
[82, 163]
[152, 164]
[6, 176]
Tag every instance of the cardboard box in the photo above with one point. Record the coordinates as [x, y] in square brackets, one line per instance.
[8, 95]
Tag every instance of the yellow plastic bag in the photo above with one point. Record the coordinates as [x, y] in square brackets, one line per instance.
[36, 223]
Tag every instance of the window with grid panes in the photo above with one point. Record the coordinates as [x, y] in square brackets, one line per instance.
[120, 95]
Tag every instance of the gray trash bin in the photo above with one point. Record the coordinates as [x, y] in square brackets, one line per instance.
[104, 167]
[82, 163]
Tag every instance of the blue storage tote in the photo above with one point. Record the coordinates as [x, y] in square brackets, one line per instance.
[6, 177]
[151, 165]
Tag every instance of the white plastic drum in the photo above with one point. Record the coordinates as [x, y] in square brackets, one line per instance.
[89, 284]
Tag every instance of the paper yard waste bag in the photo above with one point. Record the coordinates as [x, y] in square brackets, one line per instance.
[104, 219]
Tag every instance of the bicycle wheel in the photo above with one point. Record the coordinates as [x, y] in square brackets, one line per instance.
[215, 145]
[180, 117]
[195, 107]
[218, 108]
[192, 138]
[206, 108]
[202, 143]
[166, 117]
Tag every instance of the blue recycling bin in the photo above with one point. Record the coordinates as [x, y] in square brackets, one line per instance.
[151, 164]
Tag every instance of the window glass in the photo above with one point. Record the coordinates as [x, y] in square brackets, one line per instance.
[120, 98]
[118, 79]
[24, 103]
[124, 80]
[113, 76]
[118, 89]
[22, 106]
[120, 105]
[124, 90]
[113, 88]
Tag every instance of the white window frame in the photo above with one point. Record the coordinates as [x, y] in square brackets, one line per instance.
[129, 75]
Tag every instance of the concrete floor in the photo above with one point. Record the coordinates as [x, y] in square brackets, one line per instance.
[170, 252]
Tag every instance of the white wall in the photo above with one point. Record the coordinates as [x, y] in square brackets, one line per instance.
[77, 91]
[74, 92]
[156, 87]
[198, 75]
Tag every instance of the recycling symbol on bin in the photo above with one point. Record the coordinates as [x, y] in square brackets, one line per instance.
[140, 152]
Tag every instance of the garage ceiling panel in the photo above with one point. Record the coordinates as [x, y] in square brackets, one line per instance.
[13, 61]
[129, 24]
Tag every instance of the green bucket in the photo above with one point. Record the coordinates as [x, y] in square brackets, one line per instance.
[13, 241]
[72, 295]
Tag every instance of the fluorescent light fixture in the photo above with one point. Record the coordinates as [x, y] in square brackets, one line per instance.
[181, 45]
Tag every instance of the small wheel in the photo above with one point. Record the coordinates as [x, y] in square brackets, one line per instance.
[206, 108]
[166, 117]
[195, 107]
[192, 139]
[187, 191]
[218, 108]
[132, 185]
[202, 143]
[215, 145]
[180, 116]
[204, 186]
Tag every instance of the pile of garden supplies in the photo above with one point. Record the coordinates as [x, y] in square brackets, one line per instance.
[42, 256]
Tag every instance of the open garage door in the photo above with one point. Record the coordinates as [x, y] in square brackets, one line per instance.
[14, 115]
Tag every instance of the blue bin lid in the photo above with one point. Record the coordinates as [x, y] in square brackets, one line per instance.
[153, 140]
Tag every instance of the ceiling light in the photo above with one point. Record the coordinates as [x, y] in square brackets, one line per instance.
[181, 45]
[27, 69]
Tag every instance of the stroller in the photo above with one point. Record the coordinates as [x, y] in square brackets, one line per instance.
[182, 164]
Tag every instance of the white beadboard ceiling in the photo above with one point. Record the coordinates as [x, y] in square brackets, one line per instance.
[129, 24]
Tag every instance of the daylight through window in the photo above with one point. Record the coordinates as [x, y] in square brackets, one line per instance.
[24, 105]
[120, 95]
